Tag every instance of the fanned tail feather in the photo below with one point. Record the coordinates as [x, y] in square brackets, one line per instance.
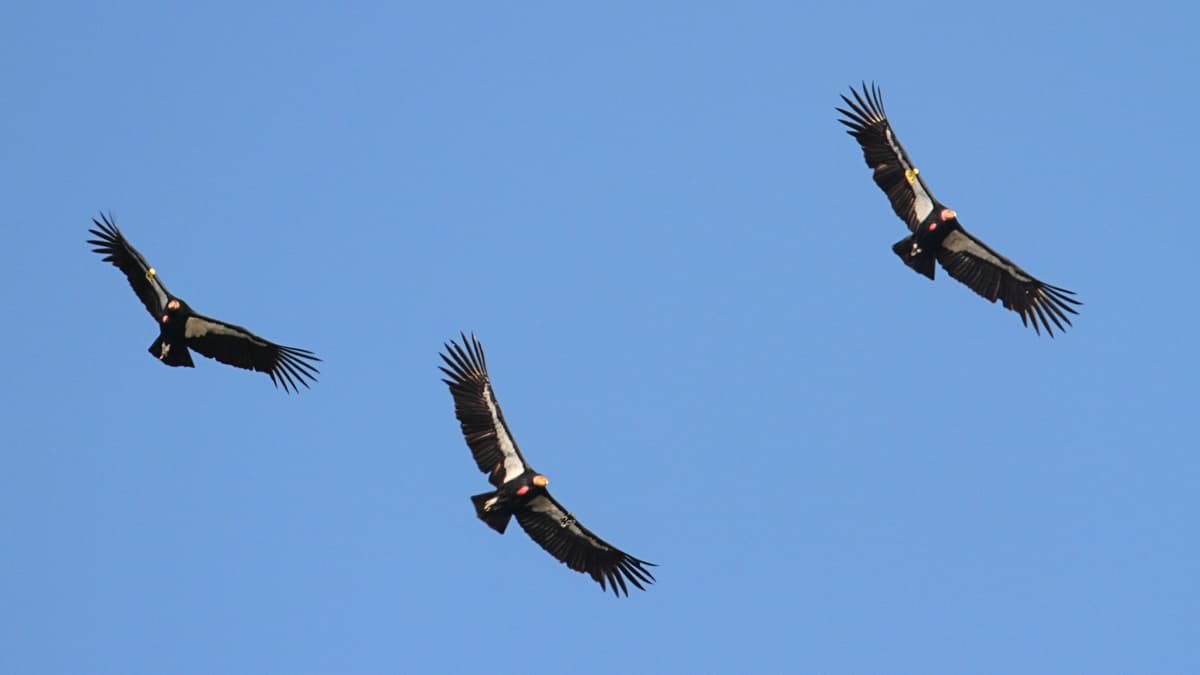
[496, 519]
[922, 262]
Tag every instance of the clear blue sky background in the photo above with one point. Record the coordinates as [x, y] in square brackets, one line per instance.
[682, 273]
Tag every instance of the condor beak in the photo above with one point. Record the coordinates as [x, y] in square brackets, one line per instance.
[949, 214]
[540, 480]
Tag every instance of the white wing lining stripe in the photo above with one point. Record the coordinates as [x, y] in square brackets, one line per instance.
[957, 242]
[922, 204]
[512, 462]
[152, 279]
[196, 328]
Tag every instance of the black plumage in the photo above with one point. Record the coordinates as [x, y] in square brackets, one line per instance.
[936, 232]
[181, 328]
[521, 491]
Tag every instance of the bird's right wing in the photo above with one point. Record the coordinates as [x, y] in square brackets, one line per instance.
[475, 405]
[142, 277]
[557, 531]
[995, 277]
[238, 347]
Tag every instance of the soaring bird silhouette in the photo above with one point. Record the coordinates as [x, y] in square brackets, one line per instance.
[936, 232]
[181, 328]
[521, 491]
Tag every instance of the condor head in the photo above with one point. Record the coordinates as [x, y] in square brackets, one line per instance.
[946, 219]
[176, 309]
[538, 480]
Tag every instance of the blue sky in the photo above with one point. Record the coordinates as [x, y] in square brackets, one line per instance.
[682, 274]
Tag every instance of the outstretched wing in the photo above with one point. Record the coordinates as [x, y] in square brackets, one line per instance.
[995, 277]
[142, 277]
[239, 347]
[475, 406]
[549, 524]
[894, 171]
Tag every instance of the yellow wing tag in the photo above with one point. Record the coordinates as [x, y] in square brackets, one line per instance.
[150, 274]
[910, 174]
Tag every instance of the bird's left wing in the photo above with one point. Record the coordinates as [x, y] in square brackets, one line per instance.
[995, 277]
[236, 346]
[894, 171]
[142, 277]
[492, 445]
[557, 531]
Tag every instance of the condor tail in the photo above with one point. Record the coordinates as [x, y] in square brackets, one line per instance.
[172, 355]
[496, 519]
[921, 262]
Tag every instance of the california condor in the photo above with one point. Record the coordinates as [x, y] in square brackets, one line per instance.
[180, 328]
[936, 232]
[521, 491]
